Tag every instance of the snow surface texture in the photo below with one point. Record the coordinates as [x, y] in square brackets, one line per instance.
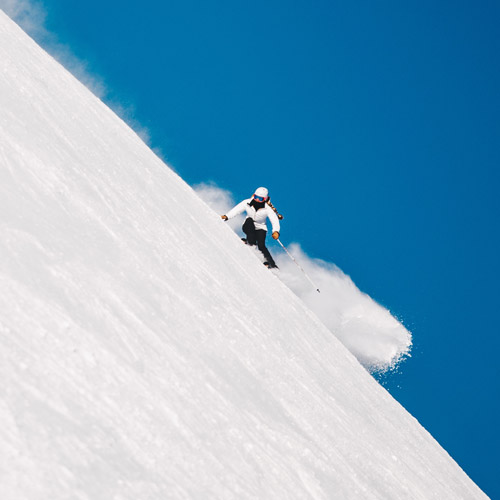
[137, 358]
[367, 329]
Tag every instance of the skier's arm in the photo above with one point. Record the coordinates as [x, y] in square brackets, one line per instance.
[238, 209]
[274, 220]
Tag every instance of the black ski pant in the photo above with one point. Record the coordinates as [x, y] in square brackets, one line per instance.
[258, 237]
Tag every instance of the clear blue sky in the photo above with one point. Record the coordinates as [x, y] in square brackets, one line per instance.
[375, 126]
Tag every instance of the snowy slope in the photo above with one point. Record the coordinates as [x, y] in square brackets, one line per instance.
[145, 353]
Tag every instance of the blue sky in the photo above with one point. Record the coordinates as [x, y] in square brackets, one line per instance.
[376, 127]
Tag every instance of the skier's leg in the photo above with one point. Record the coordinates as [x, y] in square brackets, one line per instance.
[249, 230]
[261, 244]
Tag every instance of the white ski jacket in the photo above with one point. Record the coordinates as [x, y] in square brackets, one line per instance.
[258, 216]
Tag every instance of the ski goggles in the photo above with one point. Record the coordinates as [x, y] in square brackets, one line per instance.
[260, 199]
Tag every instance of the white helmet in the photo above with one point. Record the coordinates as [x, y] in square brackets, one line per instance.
[261, 192]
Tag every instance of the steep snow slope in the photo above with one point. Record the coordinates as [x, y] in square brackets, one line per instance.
[146, 353]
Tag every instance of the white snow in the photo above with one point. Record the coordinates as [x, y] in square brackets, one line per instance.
[138, 358]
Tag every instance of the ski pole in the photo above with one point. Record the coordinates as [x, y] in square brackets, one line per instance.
[298, 265]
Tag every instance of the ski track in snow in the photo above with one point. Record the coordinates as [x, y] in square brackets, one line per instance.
[138, 360]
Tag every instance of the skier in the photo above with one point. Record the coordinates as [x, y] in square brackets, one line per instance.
[255, 227]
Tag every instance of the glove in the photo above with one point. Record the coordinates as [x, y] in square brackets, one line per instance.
[276, 235]
[223, 217]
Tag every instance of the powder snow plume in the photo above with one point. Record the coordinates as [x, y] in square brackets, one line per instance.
[377, 339]
[367, 329]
